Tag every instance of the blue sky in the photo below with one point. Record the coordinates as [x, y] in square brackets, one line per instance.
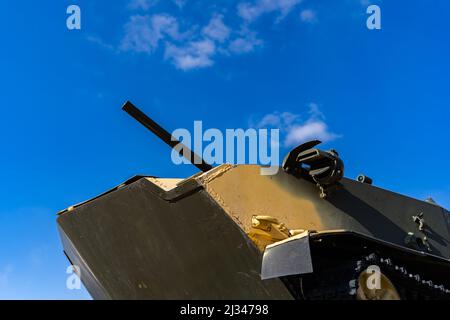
[381, 98]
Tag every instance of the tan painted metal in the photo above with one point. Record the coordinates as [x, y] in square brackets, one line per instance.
[166, 184]
[253, 201]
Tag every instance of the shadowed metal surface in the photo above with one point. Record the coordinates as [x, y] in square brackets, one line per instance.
[133, 244]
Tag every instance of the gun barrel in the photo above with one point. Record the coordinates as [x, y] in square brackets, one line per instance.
[165, 136]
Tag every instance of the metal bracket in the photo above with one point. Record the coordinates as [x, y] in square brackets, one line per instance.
[324, 168]
[420, 221]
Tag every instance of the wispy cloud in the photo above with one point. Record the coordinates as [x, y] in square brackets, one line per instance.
[98, 41]
[250, 11]
[231, 29]
[191, 45]
[145, 5]
[216, 29]
[143, 32]
[142, 4]
[245, 42]
[180, 3]
[295, 129]
[194, 54]
[191, 49]
[308, 16]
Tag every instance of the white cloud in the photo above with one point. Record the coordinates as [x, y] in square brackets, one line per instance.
[308, 16]
[246, 42]
[143, 33]
[142, 4]
[198, 45]
[314, 111]
[180, 3]
[193, 55]
[192, 49]
[312, 129]
[167, 24]
[277, 119]
[251, 11]
[100, 42]
[186, 51]
[216, 29]
[296, 131]
[147, 4]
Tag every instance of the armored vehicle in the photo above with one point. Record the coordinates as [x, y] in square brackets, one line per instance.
[229, 232]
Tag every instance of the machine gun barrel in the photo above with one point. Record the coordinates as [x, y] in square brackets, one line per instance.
[165, 136]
